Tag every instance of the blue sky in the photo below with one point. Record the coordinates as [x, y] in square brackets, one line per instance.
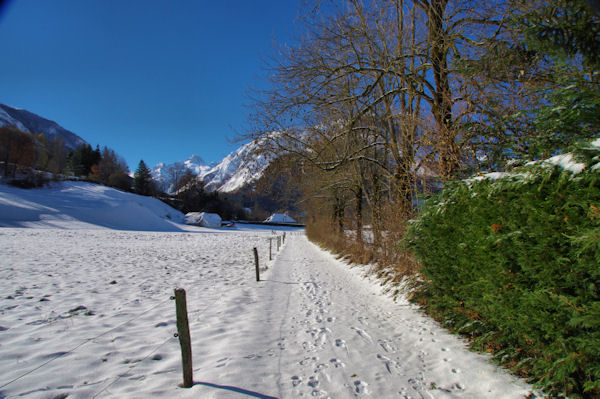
[152, 79]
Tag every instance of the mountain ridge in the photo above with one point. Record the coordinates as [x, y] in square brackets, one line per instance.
[30, 122]
[239, 168]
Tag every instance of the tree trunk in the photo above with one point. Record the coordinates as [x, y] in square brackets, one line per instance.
[359, 216]
[442, 97]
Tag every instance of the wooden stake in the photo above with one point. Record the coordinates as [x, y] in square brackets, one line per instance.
[256, 264]
[183, 332]
[270, 248]
[284, 237]
[278, 242]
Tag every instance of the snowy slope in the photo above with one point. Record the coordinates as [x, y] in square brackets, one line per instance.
[31, 123]
[83, 205]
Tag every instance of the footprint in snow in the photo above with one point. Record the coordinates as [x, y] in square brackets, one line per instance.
[386, 346]
[340, 343]
[361, 387]
[363, 334]
[387, 362]
[308, 359]
[296, 381]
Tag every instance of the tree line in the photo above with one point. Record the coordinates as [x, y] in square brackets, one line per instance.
[24, 150]
[380, 102]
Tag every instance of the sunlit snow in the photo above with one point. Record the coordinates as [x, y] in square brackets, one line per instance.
[85, 311]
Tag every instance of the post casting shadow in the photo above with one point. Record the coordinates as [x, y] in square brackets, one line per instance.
[236, 389]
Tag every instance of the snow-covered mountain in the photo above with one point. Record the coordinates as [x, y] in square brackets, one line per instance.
[29, 122]
[161, 172]
[242, 166]
[237, 169]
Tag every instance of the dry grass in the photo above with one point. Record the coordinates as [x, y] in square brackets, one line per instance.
[379, 246]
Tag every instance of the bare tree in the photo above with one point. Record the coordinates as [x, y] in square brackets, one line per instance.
[175, 173]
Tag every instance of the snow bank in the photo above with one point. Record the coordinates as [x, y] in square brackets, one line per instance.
[81, 205]
[203, 219]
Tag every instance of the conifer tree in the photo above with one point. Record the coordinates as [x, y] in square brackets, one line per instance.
[81, 160]
[142, 180]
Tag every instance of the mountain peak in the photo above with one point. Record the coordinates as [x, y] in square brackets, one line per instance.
[239, 168]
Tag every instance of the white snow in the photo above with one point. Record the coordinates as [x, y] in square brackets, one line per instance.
[203, 219]
[7, 120]
[84, 205]
[160, 172]
[567, 162]
[238, 168]
[279, 218]
[490, 176]
[86, 313]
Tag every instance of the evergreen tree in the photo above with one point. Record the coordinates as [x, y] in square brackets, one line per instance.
[567, 33]
[142, 180]
[81, 161]
[535, 87]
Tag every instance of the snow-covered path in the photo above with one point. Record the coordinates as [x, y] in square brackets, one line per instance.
[320, 330]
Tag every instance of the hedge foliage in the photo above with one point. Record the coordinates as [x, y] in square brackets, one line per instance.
[514, 263]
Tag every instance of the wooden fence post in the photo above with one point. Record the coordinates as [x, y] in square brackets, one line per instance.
[256, 264]
[270, 248]
[183, 332]
[278, 242]
[284, 237]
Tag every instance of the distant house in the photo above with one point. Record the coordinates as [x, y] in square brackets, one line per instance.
[203, 219]
[279, 218]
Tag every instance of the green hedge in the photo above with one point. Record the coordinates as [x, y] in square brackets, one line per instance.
[514, 263]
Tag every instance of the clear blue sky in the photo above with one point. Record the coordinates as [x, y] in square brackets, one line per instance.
[152, 79]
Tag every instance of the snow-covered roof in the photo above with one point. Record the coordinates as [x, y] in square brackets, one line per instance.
[279, 218]
[203, 219]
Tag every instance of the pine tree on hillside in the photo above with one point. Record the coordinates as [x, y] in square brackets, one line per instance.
[82, 160]
[142, 180]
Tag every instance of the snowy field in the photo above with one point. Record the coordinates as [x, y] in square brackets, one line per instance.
[85, 312]
[103, 297]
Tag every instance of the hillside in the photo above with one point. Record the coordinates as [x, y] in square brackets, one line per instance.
[29, 122]
[80, 205]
